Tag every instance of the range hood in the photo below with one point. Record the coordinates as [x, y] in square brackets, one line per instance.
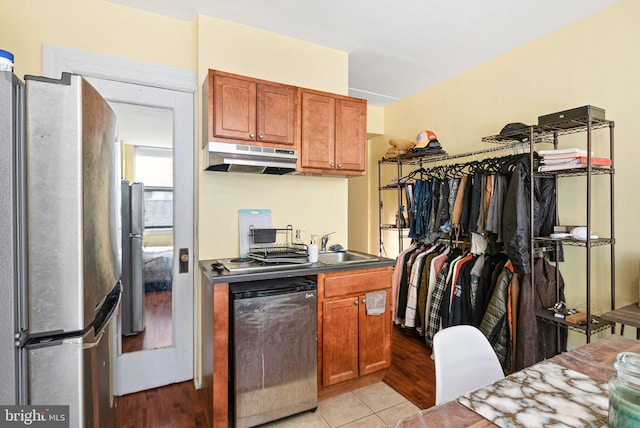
[231, 157]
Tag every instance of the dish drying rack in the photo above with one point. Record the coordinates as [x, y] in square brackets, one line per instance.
[275, 246]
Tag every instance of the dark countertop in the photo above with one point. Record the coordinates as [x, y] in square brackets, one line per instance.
[313, 269]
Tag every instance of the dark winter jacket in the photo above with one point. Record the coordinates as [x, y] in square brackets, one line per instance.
[516, 216]
[538, 340]
[495, 323]
[516, 227]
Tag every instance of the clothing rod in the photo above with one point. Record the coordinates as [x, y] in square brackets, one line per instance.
[430, 159]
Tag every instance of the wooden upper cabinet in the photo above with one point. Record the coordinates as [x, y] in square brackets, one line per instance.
[317, 138]
[235, 108]
[332, 133]
[276, 114]
[351, 134]
[252, 111]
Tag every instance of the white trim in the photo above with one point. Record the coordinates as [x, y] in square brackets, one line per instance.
[58, 59]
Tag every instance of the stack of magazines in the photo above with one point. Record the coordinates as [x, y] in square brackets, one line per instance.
[554, 160]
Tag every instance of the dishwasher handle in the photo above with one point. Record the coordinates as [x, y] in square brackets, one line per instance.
[293, 288]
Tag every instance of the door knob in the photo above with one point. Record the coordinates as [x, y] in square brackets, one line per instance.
[183, 260]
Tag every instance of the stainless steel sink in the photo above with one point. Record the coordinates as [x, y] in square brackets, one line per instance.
[337, 258]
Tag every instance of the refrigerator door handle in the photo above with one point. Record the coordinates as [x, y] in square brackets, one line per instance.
[107, 309]
[103, 316]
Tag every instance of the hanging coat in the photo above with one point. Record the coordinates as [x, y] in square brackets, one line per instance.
[538, 340]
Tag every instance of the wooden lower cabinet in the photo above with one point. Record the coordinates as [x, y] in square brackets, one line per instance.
[354, 344]
[340, 338]
[375, 338]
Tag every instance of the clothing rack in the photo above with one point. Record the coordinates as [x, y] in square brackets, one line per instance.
[517, 147]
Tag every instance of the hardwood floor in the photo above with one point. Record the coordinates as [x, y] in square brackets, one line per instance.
[412, 371]
[182, 406]
[173, 406]
[157, 317]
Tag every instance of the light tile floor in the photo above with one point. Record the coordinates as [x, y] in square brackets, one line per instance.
[373, 406]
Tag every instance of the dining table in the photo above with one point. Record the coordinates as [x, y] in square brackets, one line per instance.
[569, 389]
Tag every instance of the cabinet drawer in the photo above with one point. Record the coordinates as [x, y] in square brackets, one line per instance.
[357, 282]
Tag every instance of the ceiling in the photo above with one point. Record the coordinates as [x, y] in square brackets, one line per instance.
[396, 48]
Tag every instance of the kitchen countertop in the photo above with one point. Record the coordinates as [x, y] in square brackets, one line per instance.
[313, 269]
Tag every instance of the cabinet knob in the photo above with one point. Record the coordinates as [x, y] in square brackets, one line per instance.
[333, 165]
[252, 135]
[339, 165]
[261, 136]
[356, 302]
[364, 301]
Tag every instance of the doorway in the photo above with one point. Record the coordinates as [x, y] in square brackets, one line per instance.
[125, 84]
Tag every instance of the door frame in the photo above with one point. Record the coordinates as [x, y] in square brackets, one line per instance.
[137, 370]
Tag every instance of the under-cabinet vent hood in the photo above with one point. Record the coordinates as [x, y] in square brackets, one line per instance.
[230, 157]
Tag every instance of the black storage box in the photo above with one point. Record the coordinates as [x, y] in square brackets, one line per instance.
[571, 118]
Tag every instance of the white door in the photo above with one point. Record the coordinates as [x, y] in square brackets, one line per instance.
[172, 361]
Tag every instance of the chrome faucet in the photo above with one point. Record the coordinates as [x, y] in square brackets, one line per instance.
[323, 241]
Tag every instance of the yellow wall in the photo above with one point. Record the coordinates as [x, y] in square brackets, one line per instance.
[589, 62]
[314, 204]
[95, 26]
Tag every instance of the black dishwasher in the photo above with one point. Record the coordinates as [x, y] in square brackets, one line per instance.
[273, 354]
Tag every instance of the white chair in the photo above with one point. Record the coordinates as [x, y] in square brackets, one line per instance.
[464, 361]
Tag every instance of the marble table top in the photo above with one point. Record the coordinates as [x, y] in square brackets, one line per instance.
[543, 395]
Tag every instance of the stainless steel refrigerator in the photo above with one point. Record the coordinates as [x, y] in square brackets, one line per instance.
[60, 245]
[132, 258]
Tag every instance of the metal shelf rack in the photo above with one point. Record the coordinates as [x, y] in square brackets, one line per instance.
[551, 133]
[519, 140]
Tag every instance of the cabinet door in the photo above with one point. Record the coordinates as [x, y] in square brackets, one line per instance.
[234, 108]
[351, 138]
[317, 145]
[375, 338]
[276, 114]
[339, 340]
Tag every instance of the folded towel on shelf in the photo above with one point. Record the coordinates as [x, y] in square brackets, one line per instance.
[376, 302]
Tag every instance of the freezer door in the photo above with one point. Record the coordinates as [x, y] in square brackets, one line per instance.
[275, 357]
[72, 202]
[76, 371]
[76, 374]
